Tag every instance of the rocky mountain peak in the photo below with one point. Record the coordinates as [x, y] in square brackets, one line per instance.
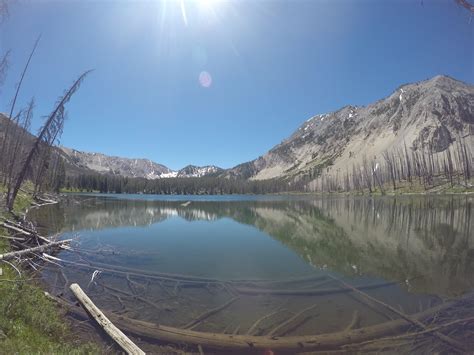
[429, 113]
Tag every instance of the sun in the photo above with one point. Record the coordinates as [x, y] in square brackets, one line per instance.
[208, 4]
[207, 8]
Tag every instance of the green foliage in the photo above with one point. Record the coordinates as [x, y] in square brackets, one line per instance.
[31, 322]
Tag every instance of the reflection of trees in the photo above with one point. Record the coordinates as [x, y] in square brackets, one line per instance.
[394, 238]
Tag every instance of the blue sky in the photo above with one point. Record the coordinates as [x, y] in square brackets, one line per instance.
[272, 65]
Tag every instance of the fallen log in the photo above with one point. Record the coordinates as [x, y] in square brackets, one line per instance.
[307, 291]
[14, 254]
[134, 296]
[433, 329]
[182, 279]
[46, 201]
[16, 229]
[355, 321]
[291, 344]
[194, 323]
[121, 339]
[290, 320]
[261, 319]
[24, 230]
[452, 342]
[18, 225]
[12, 238]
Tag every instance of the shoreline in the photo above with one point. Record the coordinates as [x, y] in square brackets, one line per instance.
[29, 321]
[80, 335]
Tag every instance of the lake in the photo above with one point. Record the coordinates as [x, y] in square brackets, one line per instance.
[168, 259]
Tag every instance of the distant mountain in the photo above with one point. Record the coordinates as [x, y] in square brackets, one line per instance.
[143, 168]
[431, 113]
[199, 171]
[102, 163]
[77, 162]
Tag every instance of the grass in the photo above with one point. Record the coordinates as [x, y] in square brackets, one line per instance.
[30, 323]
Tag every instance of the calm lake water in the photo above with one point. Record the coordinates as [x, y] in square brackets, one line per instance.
[417, 251]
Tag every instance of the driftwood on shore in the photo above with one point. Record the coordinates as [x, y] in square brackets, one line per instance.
[19, 253]
[16, 228]
[25, 247]
[121, 339]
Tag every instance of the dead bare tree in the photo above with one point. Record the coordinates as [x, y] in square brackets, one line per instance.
[4, 67]
[466, 161]
[15, 97]
[466, 5]
[17, 145]
[47, 136]
[389, 160]
[3, 10]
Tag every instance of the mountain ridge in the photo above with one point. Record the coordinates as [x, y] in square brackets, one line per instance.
[133, 167]
[431, 112]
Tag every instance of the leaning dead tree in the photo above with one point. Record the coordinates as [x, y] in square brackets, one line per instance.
[48, 134]
[3, 66]
[17, 146]
[3, 10]
[466, 5]
[10, 122]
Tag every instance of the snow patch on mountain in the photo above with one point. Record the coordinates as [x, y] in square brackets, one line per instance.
[143, 168]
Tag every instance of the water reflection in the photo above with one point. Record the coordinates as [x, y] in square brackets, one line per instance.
[426, 242]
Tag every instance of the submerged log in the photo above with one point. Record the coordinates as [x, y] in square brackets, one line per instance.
[14, 254]
[261, 319]
[452, 342]
[307, 291]
[194, 323]
[134, 296]
[463, 322]
[293, 344]
[121, 339]
[188, 280]
[281, 326]
[355, 321]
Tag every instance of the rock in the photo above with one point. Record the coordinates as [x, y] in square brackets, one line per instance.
[441, 139]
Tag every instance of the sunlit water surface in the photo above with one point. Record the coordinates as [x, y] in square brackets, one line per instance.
[424, 245]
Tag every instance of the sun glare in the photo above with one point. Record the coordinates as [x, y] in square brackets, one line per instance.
[208, 4]
[205, 8]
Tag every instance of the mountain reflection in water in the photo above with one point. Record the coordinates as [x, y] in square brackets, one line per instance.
[425, 241]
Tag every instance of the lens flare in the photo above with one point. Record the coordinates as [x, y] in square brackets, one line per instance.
[205, 79]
